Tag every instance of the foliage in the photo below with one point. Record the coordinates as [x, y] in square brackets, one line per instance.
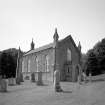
[8, 62]
[95, 59]
[100, 53]
[92, 63]
[7, 65]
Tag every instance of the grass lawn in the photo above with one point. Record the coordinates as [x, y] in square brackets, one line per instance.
[74, 94]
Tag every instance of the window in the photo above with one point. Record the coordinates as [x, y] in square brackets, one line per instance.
[23, 66]
[68, 70]
[37, 65]
[69, 55]
[29, 65]
[47, 63]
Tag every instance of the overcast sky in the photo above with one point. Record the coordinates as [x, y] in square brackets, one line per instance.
[22, 20]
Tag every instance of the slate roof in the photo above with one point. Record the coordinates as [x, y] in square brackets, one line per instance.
[39, 49]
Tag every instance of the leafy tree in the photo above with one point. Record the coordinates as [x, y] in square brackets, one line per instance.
[96, 58]
[92, 63]
[100, 53]
[7, 65]
[84, 60]
[8, 62]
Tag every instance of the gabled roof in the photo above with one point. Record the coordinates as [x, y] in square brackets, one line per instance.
[51, 46]
[71, 39]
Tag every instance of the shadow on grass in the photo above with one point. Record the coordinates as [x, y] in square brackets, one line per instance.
[42, 85]
[66, 91]
[19, 88]
[98, 80]
[95, 80]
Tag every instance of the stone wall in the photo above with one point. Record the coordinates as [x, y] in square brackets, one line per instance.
[75, 57]
[41, 56]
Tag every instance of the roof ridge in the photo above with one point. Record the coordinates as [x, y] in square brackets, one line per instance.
[44, 47]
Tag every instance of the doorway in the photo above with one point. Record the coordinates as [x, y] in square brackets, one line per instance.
[76, 73]
[68, 73]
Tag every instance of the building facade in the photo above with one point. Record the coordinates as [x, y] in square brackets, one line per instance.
[63, 55]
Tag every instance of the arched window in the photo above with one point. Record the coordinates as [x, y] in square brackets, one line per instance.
[29, 62]
[47, 63]
[23, 66]
[69, 55]
[37, 64]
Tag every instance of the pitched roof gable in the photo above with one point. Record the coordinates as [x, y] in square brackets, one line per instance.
[71, 39]
[51, 46]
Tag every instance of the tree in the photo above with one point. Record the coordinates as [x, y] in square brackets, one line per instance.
[92, 63]
[100, 53]
[8, 62]
[84, 60]
[95, 61]
[7, 66]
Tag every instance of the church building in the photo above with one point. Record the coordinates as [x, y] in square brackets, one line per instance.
[63, 55]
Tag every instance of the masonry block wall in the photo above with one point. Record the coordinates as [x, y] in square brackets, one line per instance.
[75, 57]
[30, 62]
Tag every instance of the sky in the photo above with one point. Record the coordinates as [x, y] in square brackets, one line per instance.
[22, 20]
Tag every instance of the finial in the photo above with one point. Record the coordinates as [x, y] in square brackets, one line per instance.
[55, 30]
[56, 36]
[32, 45]
[19, 47]
[79, 46]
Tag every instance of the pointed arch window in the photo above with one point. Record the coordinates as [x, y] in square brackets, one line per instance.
[47, 63]
[69, 55]
[37, 64]
[23, 66]
[29, 62]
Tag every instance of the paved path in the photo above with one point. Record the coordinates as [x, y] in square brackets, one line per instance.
[30, 94]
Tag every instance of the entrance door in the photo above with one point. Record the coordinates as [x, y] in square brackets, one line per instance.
[76, 73]
[68, 72]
